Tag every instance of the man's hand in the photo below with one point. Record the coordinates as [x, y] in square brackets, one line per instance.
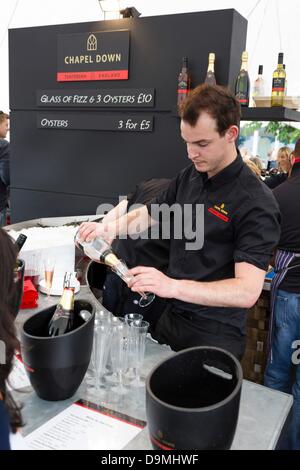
[151, 280]
[88, 231]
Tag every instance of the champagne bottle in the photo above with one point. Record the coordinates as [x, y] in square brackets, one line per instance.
[259, 84]
[98, 250]
[63, 318]
[242, 84]
[278, 85]
[184, 83]
[210, 75]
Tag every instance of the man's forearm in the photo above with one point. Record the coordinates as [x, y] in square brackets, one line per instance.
[226, 293]
[134, 222]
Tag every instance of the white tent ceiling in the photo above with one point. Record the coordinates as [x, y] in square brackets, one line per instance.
[273, 27]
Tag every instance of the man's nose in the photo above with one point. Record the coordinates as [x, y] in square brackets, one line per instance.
[193, 151]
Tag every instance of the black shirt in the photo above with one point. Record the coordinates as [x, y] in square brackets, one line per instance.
[288, 198]
[241, 224]
[273, 181]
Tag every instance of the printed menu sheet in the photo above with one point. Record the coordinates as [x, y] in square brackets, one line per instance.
[18, 378]
[85, 426]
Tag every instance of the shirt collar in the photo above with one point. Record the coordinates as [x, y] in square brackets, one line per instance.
[226, 175]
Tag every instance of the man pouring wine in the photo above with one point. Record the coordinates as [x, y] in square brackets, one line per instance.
[210, 285]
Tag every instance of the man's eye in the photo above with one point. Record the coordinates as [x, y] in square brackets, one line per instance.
[203, 145]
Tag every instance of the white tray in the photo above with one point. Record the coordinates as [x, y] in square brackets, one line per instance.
[57, 286]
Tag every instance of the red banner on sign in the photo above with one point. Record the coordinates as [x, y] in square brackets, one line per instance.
[93, 75]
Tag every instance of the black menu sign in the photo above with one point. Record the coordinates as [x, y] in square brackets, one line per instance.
[96, 122]
[93, 56]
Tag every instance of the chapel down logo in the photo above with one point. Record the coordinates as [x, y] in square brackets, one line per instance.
[102, 55]
[220, 212]
[92, 43]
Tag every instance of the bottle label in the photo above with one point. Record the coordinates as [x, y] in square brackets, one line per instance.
[182, 87]
[278, 84]
[242, 98]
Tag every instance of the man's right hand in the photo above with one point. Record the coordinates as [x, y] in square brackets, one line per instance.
[88, 231]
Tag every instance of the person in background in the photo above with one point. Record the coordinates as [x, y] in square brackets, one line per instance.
[4, 167]
[10, 416]
[253, 167]
[209, 285]
[282, 371]
[257, 161]
[284, 168]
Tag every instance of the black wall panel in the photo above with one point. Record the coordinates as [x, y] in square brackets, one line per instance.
[69, 172]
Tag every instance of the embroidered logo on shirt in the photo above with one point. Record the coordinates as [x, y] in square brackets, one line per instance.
[220, 212]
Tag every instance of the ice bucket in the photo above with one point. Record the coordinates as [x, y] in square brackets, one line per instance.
[56, 365]
[193, 399]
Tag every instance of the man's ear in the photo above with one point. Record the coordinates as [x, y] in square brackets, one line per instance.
[232, 134]
[292, 159]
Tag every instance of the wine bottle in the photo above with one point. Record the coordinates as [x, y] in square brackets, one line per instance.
[259, 84]
[184, 83]
[210, 75]
[242, 84]
[20, 242]
[278, 85]
[63, 318]
[100, 251]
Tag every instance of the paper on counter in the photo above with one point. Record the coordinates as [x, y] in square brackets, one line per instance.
[85, 426]
[18, 378]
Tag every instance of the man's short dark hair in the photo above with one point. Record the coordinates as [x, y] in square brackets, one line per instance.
[217, 101]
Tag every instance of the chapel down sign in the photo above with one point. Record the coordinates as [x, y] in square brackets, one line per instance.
[93, 56]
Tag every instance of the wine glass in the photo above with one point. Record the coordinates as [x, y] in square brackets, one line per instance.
[121, 269]
[129, 319]
[49, 265]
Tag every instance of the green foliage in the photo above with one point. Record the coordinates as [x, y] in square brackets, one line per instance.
[248, 129]
[284, 132]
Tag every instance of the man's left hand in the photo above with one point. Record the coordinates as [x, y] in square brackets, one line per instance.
[151, 280]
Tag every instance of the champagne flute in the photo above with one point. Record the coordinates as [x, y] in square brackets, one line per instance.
[121, 269]
[49, 265]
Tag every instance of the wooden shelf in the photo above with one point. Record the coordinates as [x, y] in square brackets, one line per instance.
[270, 114]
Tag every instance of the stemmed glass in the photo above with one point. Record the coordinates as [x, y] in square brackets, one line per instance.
[139, 331]
[121, 269]
[102, 317]
[129, 319]
[49, 265]
[102, 339]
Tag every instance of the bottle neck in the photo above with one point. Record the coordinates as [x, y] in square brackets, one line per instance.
[109, 258]
[211, 67]
[244, 65]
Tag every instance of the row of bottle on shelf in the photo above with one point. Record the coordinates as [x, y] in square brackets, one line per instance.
[242, 84]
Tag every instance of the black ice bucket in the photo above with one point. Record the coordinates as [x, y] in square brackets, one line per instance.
[193, 399]
[56, 365]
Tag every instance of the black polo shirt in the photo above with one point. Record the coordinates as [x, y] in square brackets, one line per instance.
[288, 198]
[241, 224]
